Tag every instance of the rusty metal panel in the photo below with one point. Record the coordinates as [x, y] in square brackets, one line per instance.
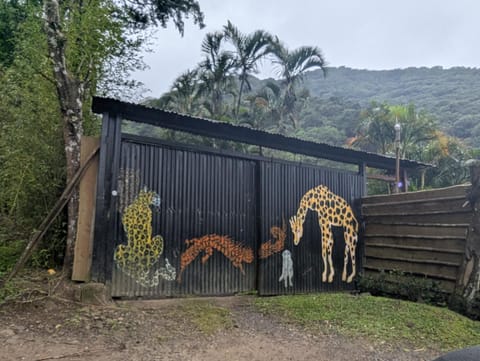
[186, 223]
[282, 186]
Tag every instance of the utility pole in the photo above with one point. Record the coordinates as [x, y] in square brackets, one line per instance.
[397, 128]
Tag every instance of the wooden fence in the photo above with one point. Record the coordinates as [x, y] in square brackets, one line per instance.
[420, 233]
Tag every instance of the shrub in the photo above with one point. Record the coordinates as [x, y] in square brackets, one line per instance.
[403, 285]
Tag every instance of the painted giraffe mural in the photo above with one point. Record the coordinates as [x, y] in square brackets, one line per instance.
[332, 210]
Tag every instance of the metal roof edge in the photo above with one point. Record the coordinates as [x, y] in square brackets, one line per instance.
[223, 130]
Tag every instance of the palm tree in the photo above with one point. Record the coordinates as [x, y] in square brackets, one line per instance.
[376, 130]
[418, 129]
[216, 73]
[249, 50]
[184, 95]
[264, 107]
[291, 66]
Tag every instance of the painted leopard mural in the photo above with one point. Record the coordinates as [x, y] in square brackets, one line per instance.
[139, 258]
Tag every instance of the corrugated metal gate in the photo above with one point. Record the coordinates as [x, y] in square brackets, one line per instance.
[205, 214]
[194, 222]
[282, 187]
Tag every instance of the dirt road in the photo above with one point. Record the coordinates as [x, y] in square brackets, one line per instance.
[52, 329]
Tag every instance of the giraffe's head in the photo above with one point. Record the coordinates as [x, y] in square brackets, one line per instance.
[297, 229]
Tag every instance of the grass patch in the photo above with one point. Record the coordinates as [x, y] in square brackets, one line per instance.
[206, 317]
[377, 318]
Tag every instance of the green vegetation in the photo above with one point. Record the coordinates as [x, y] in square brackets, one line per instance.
[206, 317]
[450, 95]
[8, 255]
[97, 45]
[54, 56]
[338, 106]
[376, 318]
[404, 286]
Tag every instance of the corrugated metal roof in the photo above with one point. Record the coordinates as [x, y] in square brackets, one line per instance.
[226, 131]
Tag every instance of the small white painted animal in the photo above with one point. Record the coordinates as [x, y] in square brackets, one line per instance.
[287, 269]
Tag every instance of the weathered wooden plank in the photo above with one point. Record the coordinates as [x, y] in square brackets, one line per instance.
[83, 244]
[432, 218]
[448, 272]
[415, 248]
[389, 201]
[451, 243]
[413, 254]
[440, 206]
[421, 230]
[459, 190]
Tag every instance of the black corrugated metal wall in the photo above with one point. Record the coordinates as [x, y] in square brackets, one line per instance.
[200, 223]
[282, 187]
[207, 204]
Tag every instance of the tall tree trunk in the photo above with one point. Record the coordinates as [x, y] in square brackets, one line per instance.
[70, 95]
[240, 92]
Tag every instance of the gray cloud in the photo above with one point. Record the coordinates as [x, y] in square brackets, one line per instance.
[365, 34]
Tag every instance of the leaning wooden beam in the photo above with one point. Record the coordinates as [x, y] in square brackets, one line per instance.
[47, 222]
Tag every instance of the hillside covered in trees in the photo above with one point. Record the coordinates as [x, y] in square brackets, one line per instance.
[451, 96]
[437, 108]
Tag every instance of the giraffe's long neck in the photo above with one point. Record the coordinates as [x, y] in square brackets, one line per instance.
[302, 212]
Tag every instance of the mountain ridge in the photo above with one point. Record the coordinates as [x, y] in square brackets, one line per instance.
[451, 95]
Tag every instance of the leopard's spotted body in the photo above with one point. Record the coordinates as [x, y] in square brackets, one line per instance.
[140, 256]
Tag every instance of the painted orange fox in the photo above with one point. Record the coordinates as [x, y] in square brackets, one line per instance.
[235, 252]
[271, 247]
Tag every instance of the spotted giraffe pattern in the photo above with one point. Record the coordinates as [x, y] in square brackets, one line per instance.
[139, 257]
[235, 252]
[332, 210]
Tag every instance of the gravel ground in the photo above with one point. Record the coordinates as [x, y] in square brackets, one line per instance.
[57, 329]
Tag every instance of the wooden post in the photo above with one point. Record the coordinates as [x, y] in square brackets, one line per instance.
[422, 179]
[83, 245]
[405, 181]
[467, 291]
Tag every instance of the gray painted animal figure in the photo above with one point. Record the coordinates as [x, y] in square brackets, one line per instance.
[287, 269]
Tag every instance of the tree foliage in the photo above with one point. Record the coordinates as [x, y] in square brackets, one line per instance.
[12, 15]
[216, 74]
[143, 13]
[448, 95]
[249, 50]
[55, 56]
[32, 170]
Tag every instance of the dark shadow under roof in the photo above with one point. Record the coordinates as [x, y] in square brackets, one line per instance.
[226, 131]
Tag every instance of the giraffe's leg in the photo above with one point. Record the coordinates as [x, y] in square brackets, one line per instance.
[324, 257]
[327, 245]
[330, 261]
[353, 247]
[345, 258]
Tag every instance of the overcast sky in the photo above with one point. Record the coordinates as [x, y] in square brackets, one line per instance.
[361, 34]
